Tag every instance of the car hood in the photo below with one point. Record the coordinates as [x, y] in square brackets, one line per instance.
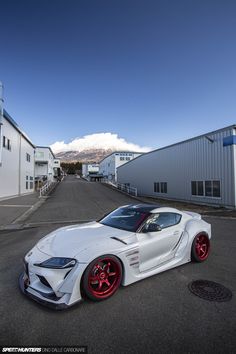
[71, 240]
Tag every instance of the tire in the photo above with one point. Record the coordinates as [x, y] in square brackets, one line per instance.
[200, 247]
[102, 278]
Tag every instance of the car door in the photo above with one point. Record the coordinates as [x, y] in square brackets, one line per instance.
[158, 247]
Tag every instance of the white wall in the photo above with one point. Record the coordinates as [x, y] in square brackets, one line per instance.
[88, 168]
[56, 163]
[14, 167]
[44, 163]
[177, 165]
[27, 167]
[108, 166]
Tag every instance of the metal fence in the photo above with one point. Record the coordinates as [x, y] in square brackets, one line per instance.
[127, 189]
[122, 187]
[45, 189]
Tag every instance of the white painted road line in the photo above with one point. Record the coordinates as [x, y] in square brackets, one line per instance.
[15, 206]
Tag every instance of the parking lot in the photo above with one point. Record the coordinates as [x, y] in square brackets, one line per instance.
[156, 315]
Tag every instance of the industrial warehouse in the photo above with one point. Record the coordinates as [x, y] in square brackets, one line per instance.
[198, 170]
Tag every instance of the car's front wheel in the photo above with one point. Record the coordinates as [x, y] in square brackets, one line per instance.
[102, 277]
[200, 247]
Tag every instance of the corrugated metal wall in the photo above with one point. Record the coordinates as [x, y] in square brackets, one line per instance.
[178, 165]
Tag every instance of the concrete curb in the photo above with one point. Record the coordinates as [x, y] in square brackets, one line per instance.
[17, 223]
[28, 212]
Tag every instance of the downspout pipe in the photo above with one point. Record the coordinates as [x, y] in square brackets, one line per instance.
[1, 120]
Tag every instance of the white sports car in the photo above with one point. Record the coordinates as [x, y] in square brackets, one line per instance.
[131, 243]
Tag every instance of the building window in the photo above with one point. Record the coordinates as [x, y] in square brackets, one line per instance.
[197, 188]
[212, 189]
[160, 187]
[39, 155]
[127, 158]
[209, 188]
[31, 183]
[6, 143]
[27, 157]
[163, 187]
[122, 158]
[156, 187]
[216, 189]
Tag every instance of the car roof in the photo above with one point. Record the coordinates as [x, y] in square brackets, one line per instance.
[151, 208]
[143, 207]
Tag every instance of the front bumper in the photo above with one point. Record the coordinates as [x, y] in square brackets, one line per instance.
[39, 297]
[57, 289]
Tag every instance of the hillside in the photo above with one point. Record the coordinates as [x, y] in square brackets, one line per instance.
[90, 155]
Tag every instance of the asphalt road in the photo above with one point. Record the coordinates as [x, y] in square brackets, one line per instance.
[78, 200]
[156, 315]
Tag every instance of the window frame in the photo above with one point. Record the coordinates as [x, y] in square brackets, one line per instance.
[6, 143]
[160, 187]
[156, 187]
[204, 189]
[162, 228]
[28, 157]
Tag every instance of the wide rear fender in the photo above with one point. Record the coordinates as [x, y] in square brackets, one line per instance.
[195, 226]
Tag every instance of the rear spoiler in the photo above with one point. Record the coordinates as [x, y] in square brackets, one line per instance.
[194, 215]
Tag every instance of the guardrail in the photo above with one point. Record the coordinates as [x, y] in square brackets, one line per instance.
[127, 189]
[45, 189]
[122, 187]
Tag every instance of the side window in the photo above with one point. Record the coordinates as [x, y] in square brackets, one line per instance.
[165, 219]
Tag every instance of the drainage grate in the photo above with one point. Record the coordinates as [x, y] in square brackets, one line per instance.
[209, 290]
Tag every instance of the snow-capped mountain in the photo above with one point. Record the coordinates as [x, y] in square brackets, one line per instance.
[89, 155]
[93, 147]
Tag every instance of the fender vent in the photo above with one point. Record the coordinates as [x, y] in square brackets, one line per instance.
[209, 290]
[117, 239]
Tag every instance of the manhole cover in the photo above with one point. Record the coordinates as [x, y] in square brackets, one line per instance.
[210, 290]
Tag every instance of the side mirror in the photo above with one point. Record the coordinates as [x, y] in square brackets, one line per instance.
[152, 227]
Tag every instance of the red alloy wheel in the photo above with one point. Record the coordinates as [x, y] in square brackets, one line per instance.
[102, 278]
[201, 247]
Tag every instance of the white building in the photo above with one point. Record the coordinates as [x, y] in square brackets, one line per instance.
[44, 163]
[199, 170]
[89, 168]
[108, 166]
[56, 168]
[16, 159]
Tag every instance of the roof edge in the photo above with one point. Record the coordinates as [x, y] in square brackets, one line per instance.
[233, 126]
[47, 147]
[10, 120]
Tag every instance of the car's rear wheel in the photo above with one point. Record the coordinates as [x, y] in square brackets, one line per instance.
[102, 277]
[200, 247]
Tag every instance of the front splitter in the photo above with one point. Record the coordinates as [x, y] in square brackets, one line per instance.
[51, 305]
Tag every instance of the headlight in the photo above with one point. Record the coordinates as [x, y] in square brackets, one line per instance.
[57, 263]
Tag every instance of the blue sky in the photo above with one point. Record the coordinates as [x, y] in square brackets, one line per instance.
[153, 72]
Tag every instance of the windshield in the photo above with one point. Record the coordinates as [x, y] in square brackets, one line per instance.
[127, 219]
